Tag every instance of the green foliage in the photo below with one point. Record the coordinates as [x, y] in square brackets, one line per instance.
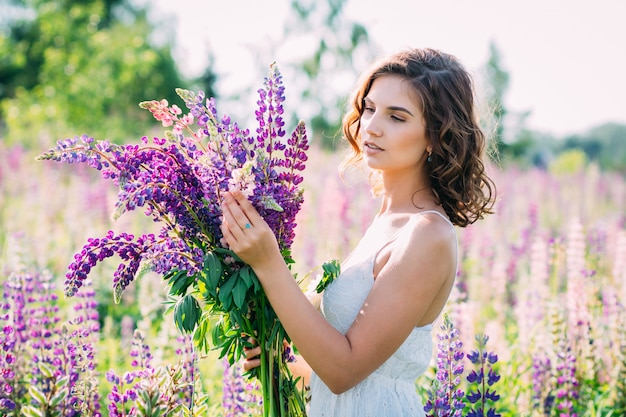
[498, 79]
[329, 69]
[604, 144]
[331, 271]
[510, 141]
[568, 162]
[78, 67]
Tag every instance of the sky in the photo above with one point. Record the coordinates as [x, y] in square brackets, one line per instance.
[566, 58]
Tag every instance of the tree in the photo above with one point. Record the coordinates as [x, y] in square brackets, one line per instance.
[604, 144]
[328, 71]
[510, 139]
[498, 84]
[71, 67]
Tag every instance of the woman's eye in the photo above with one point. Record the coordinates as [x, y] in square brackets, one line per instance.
[369, 109]
[397, 119]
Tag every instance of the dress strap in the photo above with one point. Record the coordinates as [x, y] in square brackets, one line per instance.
[435, 211]
[403, 228]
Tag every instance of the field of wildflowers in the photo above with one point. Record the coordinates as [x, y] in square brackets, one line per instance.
[536, 325]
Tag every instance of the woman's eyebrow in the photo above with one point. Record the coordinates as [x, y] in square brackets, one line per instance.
[392, 108]
[399, 108]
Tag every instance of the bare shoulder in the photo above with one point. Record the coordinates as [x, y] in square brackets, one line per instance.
[428, 245]
[430, 231]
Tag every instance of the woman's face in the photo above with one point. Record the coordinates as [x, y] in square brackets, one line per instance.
[393, 134]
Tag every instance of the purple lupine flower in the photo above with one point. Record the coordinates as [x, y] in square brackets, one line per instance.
[178, 181]
[239, 398]
[12, 340]
[445, 398]
[542, 398]
[97, 250]
[288, 355]
[567, 391]
[53, 357]
[189, 363]
[147, 386]
[122, 393]
[140, 352]
[482, 378]
[81, 351]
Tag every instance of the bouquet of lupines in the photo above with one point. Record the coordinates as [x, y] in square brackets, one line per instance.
[178, 181]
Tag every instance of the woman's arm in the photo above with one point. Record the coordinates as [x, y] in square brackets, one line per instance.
[398, 301]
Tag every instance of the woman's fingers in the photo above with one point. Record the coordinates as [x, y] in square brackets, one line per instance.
[251, 364]
[252, 352]
[252, 356]
[246, 207]
[245, 231]
[234, 214]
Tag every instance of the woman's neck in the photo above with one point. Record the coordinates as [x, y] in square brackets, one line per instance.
[407, 195]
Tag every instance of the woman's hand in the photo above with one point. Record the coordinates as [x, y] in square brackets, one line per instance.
[245, 231]
[299, 367]
[252, 355]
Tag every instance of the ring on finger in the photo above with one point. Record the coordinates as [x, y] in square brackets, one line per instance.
[248, 225]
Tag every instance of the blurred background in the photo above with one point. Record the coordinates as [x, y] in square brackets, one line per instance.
[549, 74]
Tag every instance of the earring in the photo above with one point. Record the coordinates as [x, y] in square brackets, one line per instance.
[429, 157]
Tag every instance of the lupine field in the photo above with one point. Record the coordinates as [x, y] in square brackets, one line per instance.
[536, 325]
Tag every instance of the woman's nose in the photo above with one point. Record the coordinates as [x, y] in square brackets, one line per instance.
[371, 125]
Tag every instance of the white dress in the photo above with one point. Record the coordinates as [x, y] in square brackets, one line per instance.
[390, 390]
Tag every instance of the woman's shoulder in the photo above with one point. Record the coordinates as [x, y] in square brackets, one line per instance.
[431, 221]
[413, 231]
[430, 228]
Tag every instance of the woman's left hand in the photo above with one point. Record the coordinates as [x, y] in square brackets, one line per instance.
[245, 231]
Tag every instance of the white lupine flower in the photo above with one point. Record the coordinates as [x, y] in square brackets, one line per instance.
[243, 179]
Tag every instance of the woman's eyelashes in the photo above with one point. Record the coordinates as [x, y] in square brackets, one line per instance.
[392, 116]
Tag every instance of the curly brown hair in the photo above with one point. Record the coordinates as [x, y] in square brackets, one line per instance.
[457, 173]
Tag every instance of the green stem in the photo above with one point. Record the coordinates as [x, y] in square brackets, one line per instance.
[265, 383]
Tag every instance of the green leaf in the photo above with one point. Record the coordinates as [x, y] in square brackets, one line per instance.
[46, 370]
[179, 283]
[201, 411]
[227, 348]
[225, 294]
[140, 404]
[30, 411]
[213, 269]
[270, 204]
[155, 398]
[200, 335]
[57, 398]
[37, 395]
[250, 278]
[160, 411]
[228, 252]
[331, 269]
[187, 313]
[62, 382]
[239, 294]
[246, 275]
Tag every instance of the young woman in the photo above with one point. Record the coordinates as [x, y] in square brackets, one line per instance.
[413, 123]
